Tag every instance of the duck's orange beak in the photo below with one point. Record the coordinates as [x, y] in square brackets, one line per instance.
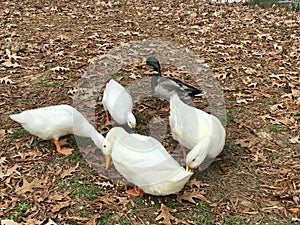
[107, 161]
[190, 169]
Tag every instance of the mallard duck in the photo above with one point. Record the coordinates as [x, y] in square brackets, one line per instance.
[197, 130]
[56, 121]
[167, 86]
[118, 103]
[143, 161]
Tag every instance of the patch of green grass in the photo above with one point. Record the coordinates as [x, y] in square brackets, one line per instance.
[138, 205]
[21, 210]
[273, 156]
[266, 82]
[119, 4]
[231, 115]
[83, 211]
[277, 128]
[20, 133]
[49, 66]
[202, 214]
[232, 153]
[87, 191]
[237, 75]
[107, 219]
[124, 222]
[297, 118]
[74, 158]
[83, 189]
[270, 102]
[23, 207]
[234, 221]
[232, 99]
[53, 85]
[23, 100]
[15, 217]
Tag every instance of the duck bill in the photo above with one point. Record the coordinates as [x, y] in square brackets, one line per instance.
[107, 161]
[142, 63]
[190, 169]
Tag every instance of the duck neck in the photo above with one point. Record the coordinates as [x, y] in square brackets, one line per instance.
[156, 72]
[97, 139]
[111, 135]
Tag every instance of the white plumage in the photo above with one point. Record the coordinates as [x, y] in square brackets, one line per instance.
[56, 121]
[143, 161]
[197, 130]
[118, 102]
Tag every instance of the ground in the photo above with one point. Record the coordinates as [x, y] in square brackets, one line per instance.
[45, 49]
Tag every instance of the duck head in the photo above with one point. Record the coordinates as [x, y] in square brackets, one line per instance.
[131, 121]
[153, 62]
[198, 154]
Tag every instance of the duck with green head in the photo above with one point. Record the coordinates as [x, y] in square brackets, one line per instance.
[167, 86]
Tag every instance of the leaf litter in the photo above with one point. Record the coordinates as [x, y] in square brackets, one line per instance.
[256, 63]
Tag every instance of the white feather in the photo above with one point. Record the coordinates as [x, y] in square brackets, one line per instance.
[118, 102]
[143, 161]
[56, 121]
[197, 130]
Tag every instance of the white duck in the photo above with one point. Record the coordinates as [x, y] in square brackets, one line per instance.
[197, 130]
[143, 161]
[56, 121]
[118, 102]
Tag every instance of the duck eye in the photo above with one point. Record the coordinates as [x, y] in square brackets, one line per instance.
[193, 160]
[104, 146]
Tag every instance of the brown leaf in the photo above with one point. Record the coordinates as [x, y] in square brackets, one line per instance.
[6, 80]
[166, 215]
[250, 71]
[8, 222]
[295, 140]
[93, 220]
[196, 183]
[59, 205]
[295, 92]
[8, 63]
[2, 134]
[59, 197]
[295, 211]
[189, 196]
[9, 172]
[245, 143]
[69, 171]
[50, 222]
[3, 160]
[28, 187]
[59, 69]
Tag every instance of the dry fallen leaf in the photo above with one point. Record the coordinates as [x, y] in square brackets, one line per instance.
[28, 187]
[188, 196]
[8, 222]
[69, 171]
[295, 140]
[8, 63]
[3, 160]
[50, 222]
[93, 220]
[6, 80]
[59, 205]
[2, 134]
[166, 215]
[9, 172]
[59, 69]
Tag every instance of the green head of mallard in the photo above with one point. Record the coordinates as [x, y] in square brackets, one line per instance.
[153, 62]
